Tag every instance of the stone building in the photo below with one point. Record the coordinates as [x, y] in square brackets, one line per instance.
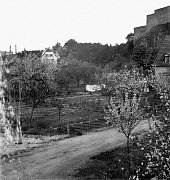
[160, 16]
[162, 61]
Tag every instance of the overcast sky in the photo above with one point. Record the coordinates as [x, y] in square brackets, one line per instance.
[36, 24]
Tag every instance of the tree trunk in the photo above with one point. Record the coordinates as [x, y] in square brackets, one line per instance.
[33, 107]
[59, 113]
[78, 83]
[68, 128]
[18, 131]
[129, 156]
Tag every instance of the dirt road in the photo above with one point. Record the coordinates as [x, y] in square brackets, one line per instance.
[61, 159]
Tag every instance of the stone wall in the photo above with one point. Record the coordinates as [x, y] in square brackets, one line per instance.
[139, 31]
[151, 21]
[160, 16]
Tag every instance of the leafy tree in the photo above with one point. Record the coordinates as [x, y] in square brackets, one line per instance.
[144, 57]
[59, 103]
[57, 47]
[75, 72]
[129, 36]
[156, 148]
[125, 116]
[62, 80]
[31, 74]
[96, 53]
[124, 108]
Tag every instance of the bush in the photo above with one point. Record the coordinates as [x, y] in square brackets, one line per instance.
[42, 124]
[62, 129]
[75, 132]
[32, 131]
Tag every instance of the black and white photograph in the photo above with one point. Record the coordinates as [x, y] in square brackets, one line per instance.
[85, 90]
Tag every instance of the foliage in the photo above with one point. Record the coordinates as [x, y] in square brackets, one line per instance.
[59, 103]
[32, 77]
[95, 53]
[75, 73]
[147, 46]
[125, 115]
[110, 164]
[125, 81]
[156, 148]
[124, 110]
[117, 65]
[144, 57]
[129, 36]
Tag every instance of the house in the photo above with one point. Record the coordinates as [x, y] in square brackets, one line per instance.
[162, 62]
[48, 56]
[10, 57]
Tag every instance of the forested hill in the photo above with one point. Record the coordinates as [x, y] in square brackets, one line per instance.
[96, 53]
[142, 51]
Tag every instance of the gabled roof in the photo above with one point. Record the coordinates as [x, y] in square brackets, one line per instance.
[48, 50]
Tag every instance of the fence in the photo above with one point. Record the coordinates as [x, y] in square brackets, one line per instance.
[77, 117]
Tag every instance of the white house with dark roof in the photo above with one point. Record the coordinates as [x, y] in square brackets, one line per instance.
[48, 56]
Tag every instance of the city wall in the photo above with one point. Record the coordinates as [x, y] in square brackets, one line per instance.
[160, 16]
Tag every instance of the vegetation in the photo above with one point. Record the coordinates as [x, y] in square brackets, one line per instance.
[29, 76]
[147, 46]
[96, 53]
[128, 104]
[149, 155]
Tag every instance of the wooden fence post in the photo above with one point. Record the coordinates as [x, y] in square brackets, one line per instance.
[68, 128]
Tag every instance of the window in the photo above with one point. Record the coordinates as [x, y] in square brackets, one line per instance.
[167, 58]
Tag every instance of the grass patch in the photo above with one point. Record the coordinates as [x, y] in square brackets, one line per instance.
[111, 165]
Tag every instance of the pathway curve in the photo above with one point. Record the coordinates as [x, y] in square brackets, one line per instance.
[61, 159]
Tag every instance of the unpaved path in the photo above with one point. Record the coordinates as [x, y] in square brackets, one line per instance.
[61, 159]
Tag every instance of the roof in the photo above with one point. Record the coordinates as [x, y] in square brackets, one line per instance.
[46, 50]
[10, 57]
[49, 50]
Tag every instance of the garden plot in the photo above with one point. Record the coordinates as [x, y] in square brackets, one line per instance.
[83, 113]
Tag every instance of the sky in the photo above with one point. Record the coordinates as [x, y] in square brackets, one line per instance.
[38, 24]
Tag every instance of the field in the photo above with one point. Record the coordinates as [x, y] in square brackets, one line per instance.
[82, 113]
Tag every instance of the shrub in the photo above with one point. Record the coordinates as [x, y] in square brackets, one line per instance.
[32, 131]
